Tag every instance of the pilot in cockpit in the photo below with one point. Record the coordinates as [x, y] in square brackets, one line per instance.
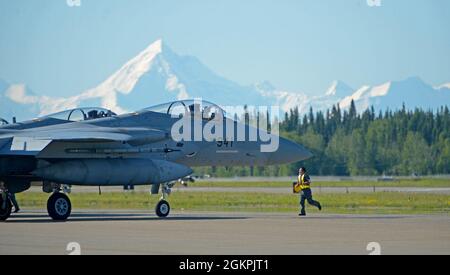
[194, 108]
[208, 113]
[195, 111]
[92, 114]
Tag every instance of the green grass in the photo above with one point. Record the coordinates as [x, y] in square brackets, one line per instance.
[370, 203]
[401, 183]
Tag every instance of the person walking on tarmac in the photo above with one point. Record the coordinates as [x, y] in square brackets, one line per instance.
[304, 183]
[10, 196]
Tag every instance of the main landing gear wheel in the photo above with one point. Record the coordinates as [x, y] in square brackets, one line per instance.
[5, 208]
[59, 207]
[162, 209]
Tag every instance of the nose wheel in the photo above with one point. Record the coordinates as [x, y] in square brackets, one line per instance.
[162, 209]
[59, 207]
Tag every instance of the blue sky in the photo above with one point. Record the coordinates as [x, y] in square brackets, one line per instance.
[297, 45]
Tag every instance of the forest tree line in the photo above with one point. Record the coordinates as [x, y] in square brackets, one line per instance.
[401, 142]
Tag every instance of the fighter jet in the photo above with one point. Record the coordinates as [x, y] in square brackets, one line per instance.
[155, 146]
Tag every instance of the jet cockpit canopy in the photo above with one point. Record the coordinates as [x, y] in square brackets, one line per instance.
[198, 108]
[81, 114]
[3, 122]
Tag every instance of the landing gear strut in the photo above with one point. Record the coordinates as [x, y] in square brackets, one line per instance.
[163, 207]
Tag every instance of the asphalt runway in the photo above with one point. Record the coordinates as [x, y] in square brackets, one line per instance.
[269, 190]
[318, 190]
[137, 232]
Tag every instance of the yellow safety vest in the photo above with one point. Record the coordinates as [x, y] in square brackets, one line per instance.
[301, 180]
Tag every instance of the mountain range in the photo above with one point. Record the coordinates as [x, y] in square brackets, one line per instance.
[158, 75]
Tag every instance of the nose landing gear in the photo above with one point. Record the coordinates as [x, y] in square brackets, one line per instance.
[163, 207]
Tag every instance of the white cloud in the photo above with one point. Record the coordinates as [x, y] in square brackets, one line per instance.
[18, 94]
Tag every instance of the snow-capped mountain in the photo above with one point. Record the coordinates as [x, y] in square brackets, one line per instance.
[337, 91]
[18, 100]
[286, 100]
[413, 92]
[154, 76]
[158, 75]
[444, 86]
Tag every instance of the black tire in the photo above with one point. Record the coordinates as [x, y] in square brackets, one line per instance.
[162, 209]
[5, 213]
[59, 207]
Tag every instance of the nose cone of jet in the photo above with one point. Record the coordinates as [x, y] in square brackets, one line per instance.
[169, 171]
[289, 152]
